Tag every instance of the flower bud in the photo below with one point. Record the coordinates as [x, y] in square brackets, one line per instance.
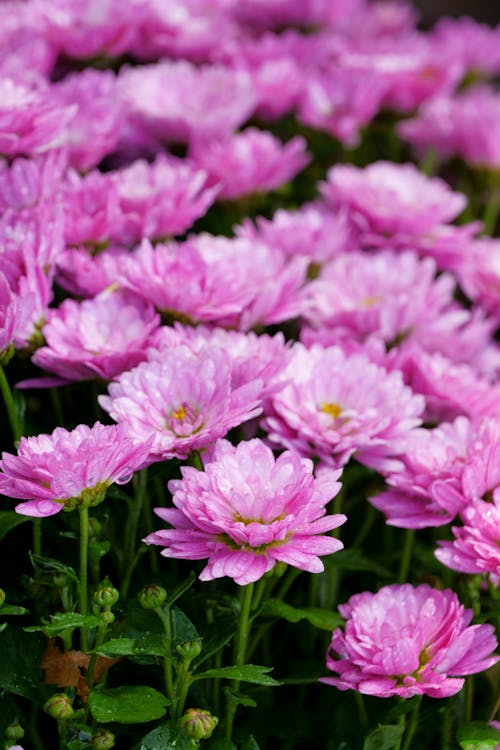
[189, 650]
[107, 617]
[59, 706]
[198, 724]
[152, 597]
[106, 596]
[103, 740]
[2, 597]
[14, 732]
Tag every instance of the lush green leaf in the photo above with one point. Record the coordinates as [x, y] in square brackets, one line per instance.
[384, 737]
[250, 744]
[65, 621]
[147, 645]
[20, 657]
[11, 609]
[49, 565]
[165, 737]
[244, 673]
[129, 704]
[402, 708]
[478, 736]
[182, 627]
[320, 618]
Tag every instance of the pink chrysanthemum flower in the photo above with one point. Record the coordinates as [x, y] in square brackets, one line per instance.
[336, 406]
[479, 274]
[428, 491]
[391, 199]
[474, 46]
[25, 183]
[26, 51]
[184, 399]
[97, 338]
[10, 311]
[90, 205]
[406, 641]
[310, 231]
[95, 130]
[476, 547]
[247, 511]
[69, 469]
[177, 101]
[31, 120]
[160, 199]
[251, 357]
[393, 296]
[249, 162]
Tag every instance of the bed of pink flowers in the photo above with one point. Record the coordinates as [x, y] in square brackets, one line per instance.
[249, 361]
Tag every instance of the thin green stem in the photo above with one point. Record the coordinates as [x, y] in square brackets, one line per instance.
[164, 616]
[140, 482]
[412, 726]
[148, 518]
[360, 704]
[240, 651]
[14, 421]
[469, 697]
[406, 557]
[446, 728]
[84, 550]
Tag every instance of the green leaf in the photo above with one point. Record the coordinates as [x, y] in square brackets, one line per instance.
[11, 609]
[384, 737]
[240, 699]
[65, 621]
[182, 627]
[250, 744]
[9, 519]
[402, 708]
[320, 618]
[130, 704]
[349, 559]
[244, 673]
[220, 743]
[20, 657]
[78, 738]
[478, 736]
[165, 737]
[48, 565]
[147, 645]
[181, 589]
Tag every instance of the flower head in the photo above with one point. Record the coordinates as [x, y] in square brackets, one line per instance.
[407, 641]
[69, 469]
[247, 510]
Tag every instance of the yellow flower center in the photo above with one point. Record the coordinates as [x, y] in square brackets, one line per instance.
[179, 413]
[333, 409]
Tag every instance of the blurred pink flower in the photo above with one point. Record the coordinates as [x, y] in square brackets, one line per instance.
[473, 46]
[184, 399]
[90, 204]
[26, 183]
[247, 510]
[390, 199]
[69, 469]
[97, 338]
[479, 274]
[406, 641]
[336, 406]
[249, 162]
[26, 51]
[31, 119]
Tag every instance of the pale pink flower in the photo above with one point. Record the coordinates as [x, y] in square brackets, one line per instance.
[479, 274]
[26, 52]
[428, 491]
[251, 357]
[405, 641]
[176, 101]
[472, 45]
[97, 338]
[184, 399]
[9, 315]
[249, 162]
[337, 406]
[390, 199]
[312, 231]
[94, 131]
[86, 275]
[89, 28]
[476, 547]
[69, 469]
[341, 101]
[392, 296]
[159, 199]
[31, 120]
[247, 511]
[90, 205]
[26, 183]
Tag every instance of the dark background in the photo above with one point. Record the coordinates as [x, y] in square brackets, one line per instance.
[487, 11]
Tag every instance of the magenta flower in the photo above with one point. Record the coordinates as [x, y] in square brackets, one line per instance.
[407, 641]
[476, 547]
[184, 399]
[336, 406]
[466, 42]
[249, 162]
[31, 120]
[479, 274]
[247, 511]
[26, 183]
[390, 199]
[98, 338]
[69, 469]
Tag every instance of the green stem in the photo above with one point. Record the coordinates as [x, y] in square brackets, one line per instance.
[84, 547]
[164, 616]
[412, 726]
[446, 728]
[363, 718]
[491, 211]
[140, 482]
[10, 405]
[406, 557]
[469, 697]
[148, 517]
[240, 651]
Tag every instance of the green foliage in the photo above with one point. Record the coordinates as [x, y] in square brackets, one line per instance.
[130, 704]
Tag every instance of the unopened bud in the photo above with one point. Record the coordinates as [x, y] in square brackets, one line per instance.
[14, 732]
[106, 596]
[189, 650]
[107, 617]
[152, 597]
[198, 724]
[103, 740]
[59, 706]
